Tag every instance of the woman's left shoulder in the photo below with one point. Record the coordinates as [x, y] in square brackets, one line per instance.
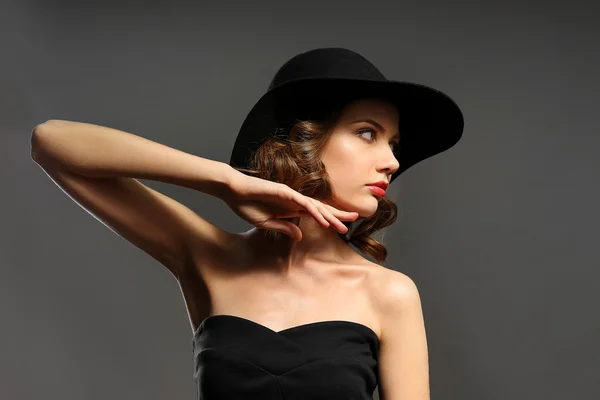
[388, 286]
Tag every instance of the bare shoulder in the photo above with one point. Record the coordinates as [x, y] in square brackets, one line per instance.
[403, 352]
[390, 286]
[391, 292]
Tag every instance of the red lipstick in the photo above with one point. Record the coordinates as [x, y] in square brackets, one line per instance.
[378, 187]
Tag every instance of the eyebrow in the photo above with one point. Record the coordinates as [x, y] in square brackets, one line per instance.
[376, 124]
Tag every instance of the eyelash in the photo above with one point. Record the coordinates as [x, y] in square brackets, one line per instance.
[375, 134]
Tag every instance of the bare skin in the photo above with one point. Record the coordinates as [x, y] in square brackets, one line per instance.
[283, 282]
[352, 160]
[308, 276]
[318, 277]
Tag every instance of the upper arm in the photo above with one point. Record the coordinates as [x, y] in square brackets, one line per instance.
[162, 227]
[403, 356]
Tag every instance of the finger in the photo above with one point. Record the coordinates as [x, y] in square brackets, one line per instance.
[294, 214]
[307, 203]
[303, 201]
[342, 215]
[332, 218]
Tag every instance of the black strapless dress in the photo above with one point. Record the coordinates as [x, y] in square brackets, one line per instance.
[237, 359]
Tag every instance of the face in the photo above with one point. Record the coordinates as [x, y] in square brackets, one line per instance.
[360, 152]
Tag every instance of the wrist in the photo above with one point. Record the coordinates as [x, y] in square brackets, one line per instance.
[226, 181]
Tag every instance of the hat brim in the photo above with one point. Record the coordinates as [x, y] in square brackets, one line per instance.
[430, 122]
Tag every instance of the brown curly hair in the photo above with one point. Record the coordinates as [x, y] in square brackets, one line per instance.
[293, 157]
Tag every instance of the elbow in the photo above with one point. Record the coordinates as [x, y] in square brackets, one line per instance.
[39, 136]
[37, 141]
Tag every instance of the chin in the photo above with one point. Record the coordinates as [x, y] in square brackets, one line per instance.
[367, 214]
[365, 209]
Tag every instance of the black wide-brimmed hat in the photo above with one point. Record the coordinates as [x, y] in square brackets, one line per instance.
[430, 122]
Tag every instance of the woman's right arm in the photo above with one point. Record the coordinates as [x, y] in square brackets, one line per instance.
[98, 168]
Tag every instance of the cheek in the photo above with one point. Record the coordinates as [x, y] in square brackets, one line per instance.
[346, 180]
[344, 161]
[342, 170]
[342, 155]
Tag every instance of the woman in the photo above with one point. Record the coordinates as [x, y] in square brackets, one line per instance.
[286, 310]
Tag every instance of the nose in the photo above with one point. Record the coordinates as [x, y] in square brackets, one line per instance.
[389, 163]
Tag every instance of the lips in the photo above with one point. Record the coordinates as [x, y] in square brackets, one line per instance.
[381, 184]
[377, 190]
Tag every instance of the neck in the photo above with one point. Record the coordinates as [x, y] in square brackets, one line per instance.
[318, 245]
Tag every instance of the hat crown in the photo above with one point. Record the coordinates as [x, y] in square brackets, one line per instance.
[431, 122]
[330, 62]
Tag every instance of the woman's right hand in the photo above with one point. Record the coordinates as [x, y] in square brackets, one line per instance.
[264, 204]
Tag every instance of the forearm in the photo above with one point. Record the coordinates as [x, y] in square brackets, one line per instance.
[102, 152]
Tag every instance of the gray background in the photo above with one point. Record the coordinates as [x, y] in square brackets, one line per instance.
[500, 233]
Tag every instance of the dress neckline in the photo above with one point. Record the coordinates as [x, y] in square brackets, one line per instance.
[283, 331]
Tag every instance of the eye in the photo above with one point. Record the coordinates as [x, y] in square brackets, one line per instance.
[368, 130]
[374, 135]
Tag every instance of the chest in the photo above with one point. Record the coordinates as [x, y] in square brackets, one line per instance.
[281, 302]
